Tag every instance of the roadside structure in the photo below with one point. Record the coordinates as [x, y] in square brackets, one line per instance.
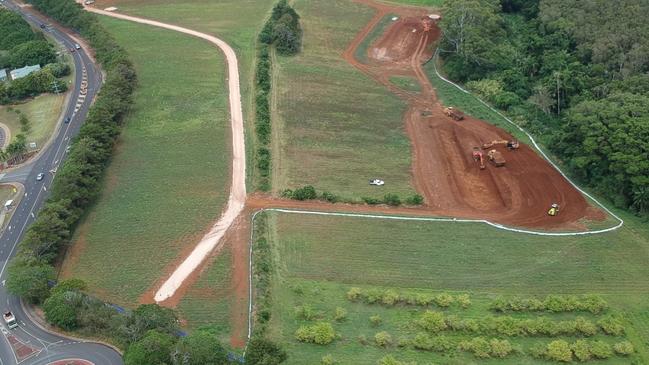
[3, 74]
[22, 72]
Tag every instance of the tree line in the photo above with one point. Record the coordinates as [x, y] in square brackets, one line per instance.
[573, 72]
[281, 31]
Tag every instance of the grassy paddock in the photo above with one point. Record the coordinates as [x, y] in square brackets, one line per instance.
[319, 258]
[208, 302]
[168, 179]
[339, 127]
[43, 112]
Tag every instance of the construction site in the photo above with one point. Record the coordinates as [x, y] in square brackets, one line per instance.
[465, 167]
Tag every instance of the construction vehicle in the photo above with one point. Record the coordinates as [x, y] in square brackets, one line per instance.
[512, 145]
[554, 210]
[10, 320]
[454, 113]
[496, 158]
[478, 157]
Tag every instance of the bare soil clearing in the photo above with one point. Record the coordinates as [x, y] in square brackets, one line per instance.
[444, 172]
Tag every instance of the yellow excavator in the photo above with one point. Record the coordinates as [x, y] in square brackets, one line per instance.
[512, 145]
[554, 210]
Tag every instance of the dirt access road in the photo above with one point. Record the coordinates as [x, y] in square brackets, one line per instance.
[444, 172]
[237, 196]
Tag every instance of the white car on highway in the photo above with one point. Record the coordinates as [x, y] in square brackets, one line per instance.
[377, 182]
[40, 176]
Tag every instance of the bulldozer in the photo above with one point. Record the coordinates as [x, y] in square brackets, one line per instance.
[511, 145]
[554, 210]
[496, 158]
[478, 157]
[454, 113]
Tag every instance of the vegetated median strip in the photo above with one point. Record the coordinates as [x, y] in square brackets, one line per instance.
[237, 196]
[538, 148]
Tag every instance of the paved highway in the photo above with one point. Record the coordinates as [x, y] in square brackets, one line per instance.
[29, 343]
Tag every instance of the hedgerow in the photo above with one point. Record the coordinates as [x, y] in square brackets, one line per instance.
[552, 303]
[282, 31]
[390, 297]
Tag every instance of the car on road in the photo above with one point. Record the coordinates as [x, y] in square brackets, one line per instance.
[40, 176]
[77, 46]
[377, 182]
[67, 120]
[10, 320]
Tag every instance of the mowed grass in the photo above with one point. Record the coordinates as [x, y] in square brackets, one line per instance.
[235, 21]
[338, 126]
[169, 177]
[334, 253]
[208, 302]
[43, 112]
[433, 3]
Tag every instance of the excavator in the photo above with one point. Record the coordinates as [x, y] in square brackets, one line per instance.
[496, 158]
[512, 145]
[478, 157]
[454, 113]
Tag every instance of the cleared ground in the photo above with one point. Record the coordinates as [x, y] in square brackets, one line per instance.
[168, 179]
[324, 256]
[43, 112]
[338, 127]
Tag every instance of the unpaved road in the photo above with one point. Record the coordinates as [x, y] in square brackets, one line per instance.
[237, 197]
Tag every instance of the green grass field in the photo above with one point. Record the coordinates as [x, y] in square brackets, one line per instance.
[208, 302]
[319, 258]
[168, 180]
[338, 127]
[428, 3]
[43, 112]
[236, 22]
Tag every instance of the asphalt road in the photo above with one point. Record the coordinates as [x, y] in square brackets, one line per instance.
[32, 344]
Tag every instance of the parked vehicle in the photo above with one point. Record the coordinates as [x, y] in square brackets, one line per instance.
[40, 176]
[377, 182]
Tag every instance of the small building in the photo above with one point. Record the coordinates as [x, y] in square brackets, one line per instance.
[3, 74]
[22, 72]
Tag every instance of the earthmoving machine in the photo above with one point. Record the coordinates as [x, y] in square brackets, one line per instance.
[512, 145]
[554, 210]
[10, 319]
[496, 158]
[454, 113]
[478, 157]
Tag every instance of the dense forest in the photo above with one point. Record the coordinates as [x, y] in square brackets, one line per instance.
[576, 73]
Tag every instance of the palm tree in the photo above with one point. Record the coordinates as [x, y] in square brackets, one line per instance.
[641, 199]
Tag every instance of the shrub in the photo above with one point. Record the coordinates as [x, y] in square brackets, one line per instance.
[383, 339]
[559, 350]
[581, 349]
[593, 304]
[478, 346]
[623, 348]
[463, 300]
[390, 297]
[601, 349]
[432, 321]
[305, 312]
[354, 294]
[415, 200]
[444, 300]
[362, 340]
[261, 351]
[611, 326]
[59, 311]
[371, 201]
[441, 344]
[500, 348]
[304, 193]
[376, 320]
[585, 327]
[538, 351]
[340, 314]
[327, 196]
[392, 199]
[328, 360]
[321, 333]
[390, 360]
